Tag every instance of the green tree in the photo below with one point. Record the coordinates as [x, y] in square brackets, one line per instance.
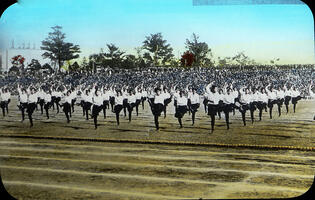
[158, 51]
[56, 49]
[201, 51]
[130, 62]
[114, 57]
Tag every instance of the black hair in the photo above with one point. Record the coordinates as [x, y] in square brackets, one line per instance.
[212, 89]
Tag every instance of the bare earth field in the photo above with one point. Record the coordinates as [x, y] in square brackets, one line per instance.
[273, 158]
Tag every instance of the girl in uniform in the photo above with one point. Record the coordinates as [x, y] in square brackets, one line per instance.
[158, 107]
[132, 99]
[228, 105]
[48, 102]
[32, 101]
[23, 100]
[66, 104]
[194, 104]
[98, 101]
[181, 108]
[272, 99]
[118, 105]
[105, 101]
[213, 103]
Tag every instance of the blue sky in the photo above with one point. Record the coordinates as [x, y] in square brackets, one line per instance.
[263, 32]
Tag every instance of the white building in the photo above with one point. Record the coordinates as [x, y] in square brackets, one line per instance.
[28, 54]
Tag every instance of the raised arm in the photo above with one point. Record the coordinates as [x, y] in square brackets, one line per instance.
[312, 94]
[267, 88]
[208, 87]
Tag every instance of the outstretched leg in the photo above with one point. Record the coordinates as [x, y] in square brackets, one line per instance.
[3, 110]
[180, 122]
[193, 117]
[260, 113]
[156, 121]
[270, 111]
[137, 109]
[227, 120]
[212, 116]
[252, 115]
[279, 109]
[243, 117]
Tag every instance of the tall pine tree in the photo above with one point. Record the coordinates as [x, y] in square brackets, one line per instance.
[56, 49]
[157, 49]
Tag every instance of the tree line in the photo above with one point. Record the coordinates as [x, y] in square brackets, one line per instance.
[154, 52]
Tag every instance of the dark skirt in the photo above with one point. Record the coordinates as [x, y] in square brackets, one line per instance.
[244, 107]
[280, 101]
[157, 109]
[261, 105]
[118, 108]
[296, 99]
[23, 105]
[167, 101]
[87, 105]
[2, 104]
[47, 105]
[212, 109]
[112, 100]
[271, 103]
[180, 111]
[138, 101]
[41, 101]
[105, 103]
[194, 107]
[228, 107]
[220, 106]
[96, 110]
[130, 106]
[253, 105]
[125, 103]
[287, 100]
[53, 99]
[66, 107]
[31, 107]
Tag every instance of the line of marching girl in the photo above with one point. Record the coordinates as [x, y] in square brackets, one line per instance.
[94, 100]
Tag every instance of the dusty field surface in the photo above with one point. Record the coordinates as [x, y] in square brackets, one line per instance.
[56, 160]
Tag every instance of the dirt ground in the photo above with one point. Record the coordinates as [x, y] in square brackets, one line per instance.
[272, 158]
